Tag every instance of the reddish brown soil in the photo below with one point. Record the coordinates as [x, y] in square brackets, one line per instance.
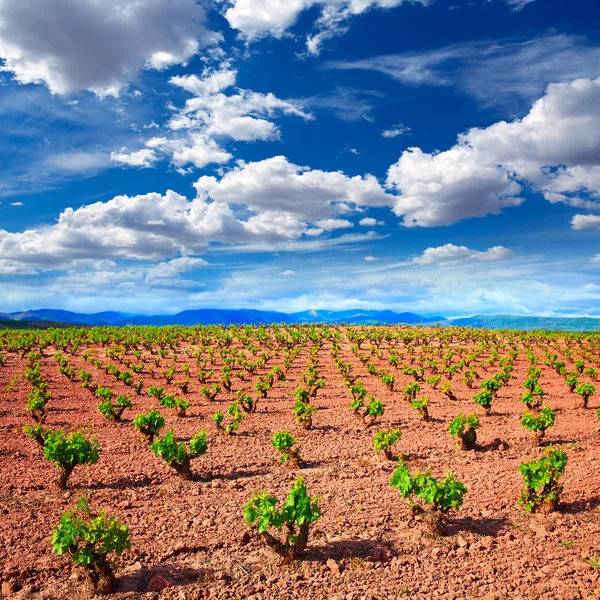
[192, 535]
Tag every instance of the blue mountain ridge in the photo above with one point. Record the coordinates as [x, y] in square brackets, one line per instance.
[210, 316]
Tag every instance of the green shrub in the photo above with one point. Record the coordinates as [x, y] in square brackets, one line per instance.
[539, 423]
[367, 414]
[429, 496]
[421, 405]
[68, 451]
[210, 393]
[304, 412]
[149, 424]
[484, 399]
[388, 381]
[465, 429]
[36, 404]
[586, 391]
[113, 412]
[542, 490]
[411, 391]
[384, 440]
[235, 419]
[572, 380]
[434, 381]
[447, 391]
[285, 443]
[247, 403]
[491, 385]
[298, 513]
[90, 539]
[178, 455]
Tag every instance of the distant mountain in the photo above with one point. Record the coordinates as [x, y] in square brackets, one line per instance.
[363, 317]
[529, 323]
[209, 316]
[66, 316]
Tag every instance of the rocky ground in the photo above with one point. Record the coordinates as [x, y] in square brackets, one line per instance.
[190, 540]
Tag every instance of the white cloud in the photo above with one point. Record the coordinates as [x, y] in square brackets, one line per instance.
[143, 159]
[16, 204]
[370, 222]
[585, 222]
[449, 253]
[333, 224]
[370, 258]
[555, 148]
[275, 184]
[441, 189]
[395, 131]
[260, 206]
[259, 18]
[596, 259]
[211, 115]
[99, 46]
[288, 272]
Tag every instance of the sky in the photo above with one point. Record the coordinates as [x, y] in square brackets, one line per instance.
[434, 156]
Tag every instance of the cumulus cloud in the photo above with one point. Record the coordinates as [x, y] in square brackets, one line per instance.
[257, 205]
[259, 18]
[585, 222]
[333, 224]
[288, 272]
[195, 133]
[74, 45]
[370, 258]
[370, 222]
[441, 189]
[449, 253]
[555, 148]
[143, 159]
[275, 184]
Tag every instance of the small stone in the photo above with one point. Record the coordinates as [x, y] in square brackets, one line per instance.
[8, 589]
[159, 582]
[333, 566]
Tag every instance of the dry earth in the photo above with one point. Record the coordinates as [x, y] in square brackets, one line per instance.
[190, 536]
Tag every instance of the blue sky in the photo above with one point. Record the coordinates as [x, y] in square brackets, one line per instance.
[437, 156]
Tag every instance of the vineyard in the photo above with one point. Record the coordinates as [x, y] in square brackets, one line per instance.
[345, 463]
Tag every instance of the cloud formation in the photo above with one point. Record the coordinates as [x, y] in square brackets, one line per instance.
[195, 133]
[494, 73]
[258, 204]
[75, 45]
[259, 18]
[555, 148]
[449, 253]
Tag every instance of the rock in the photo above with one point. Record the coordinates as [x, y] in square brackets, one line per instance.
[245, 538]
[159, 582]
[460, 540]
[8, 589]
[333, 566]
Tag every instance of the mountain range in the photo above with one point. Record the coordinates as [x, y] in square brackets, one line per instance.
[209, 316]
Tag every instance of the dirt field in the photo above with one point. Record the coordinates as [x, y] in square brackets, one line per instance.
[189, 539]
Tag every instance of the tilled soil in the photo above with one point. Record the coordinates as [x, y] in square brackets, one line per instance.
[189, 538]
